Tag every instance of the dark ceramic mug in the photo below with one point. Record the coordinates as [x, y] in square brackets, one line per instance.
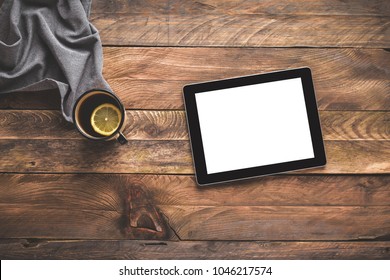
[84, 107]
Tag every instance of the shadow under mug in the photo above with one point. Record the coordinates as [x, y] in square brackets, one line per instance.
[84, 107]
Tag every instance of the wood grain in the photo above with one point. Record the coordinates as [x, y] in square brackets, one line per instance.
[281, 7]
[48, 99]
[284, 7]
[86, 156]
[346, 79]
[164, 207]
[35, 222]
[276, 30]
[55, 223]
[143, 7]
[338, 125]
[231, 23]
[191, 64]
[198, 223]
[109, 191]
[171, 125]
[45, 124]
[115, 206]
[139, 250]
[152, 78]
[132, 29]
[278, 222]
[166, 156]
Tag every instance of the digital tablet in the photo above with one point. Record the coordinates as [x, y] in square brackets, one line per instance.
[253, 125]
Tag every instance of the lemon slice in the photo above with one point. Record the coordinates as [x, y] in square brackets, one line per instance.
[105, 119]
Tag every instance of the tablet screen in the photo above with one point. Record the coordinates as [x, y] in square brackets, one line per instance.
[254, 125]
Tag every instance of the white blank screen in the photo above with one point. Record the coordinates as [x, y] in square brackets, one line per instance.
[254, 125]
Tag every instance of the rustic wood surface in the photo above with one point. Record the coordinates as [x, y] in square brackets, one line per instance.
[63, 197]
[105, 191]
[171, 125]
[92, 207]
[153, 78]
[230, 250]
[165, 156]
[237, 23]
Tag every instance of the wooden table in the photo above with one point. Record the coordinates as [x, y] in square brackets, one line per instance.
[62, 196]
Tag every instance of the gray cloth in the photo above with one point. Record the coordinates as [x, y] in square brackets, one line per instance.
[47, 44]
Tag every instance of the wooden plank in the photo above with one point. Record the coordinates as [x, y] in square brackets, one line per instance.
[109, 192]
[89, 206]
[165, 222]
[132, 29]
[48, 223]
[126, 249]
[45, 124]
[171, 125]
[166, 156]
[144, 7]
[152, 78]
[35, 222]
[191, 64]
[284, 7]
[87, 156]
[35, 124]
[278, 222]
[231, 23]
[347, 157]
[338, 125]
[243, 31]
[281, 7]
[272, 31]
[47, 99]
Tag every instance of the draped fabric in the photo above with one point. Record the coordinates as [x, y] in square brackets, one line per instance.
[46, 44]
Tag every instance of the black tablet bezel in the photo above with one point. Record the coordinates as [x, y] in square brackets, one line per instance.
[202, 177]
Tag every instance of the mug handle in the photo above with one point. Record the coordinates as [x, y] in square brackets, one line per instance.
[121, 138]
